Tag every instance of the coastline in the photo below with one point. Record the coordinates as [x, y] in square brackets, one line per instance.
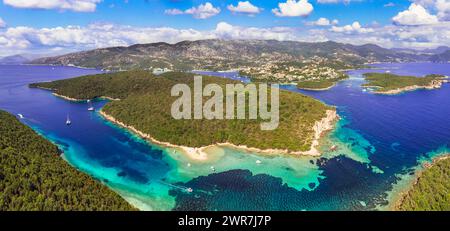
[83, 100]
[73, 99]
[325, 88]
[317, 89]
[321, 127]
[435, 84]
[402, 194]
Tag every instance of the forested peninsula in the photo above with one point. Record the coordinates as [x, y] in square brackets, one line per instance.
[390, 84]
[33, 176]
[431, 191]
[145, 107]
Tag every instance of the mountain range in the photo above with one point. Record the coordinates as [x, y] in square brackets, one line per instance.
[230, 54]
[14, 59]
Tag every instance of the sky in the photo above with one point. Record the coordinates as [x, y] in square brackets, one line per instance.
[62, 26]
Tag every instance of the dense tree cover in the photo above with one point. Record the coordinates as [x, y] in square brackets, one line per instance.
[146, 105]
[319, 84]
[33, 176]
[432, 190]
[385, 81]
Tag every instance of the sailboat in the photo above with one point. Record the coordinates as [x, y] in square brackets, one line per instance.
[68, 122]
[91, 108]
[20, 116]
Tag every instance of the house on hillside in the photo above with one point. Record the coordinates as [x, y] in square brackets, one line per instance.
[159, 71]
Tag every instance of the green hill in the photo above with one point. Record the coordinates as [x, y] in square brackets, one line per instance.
[33, 176]
[386, 83]
[146, 105]
[432, 190]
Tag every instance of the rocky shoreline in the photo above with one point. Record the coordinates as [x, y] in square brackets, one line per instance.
[435, 84]
[317, 89]
[321, 127]
[73, 99]
[401, 197]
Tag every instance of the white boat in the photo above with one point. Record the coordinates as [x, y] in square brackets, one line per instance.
[20, 116]
[258, 162]
[189, 190]
[91, 107]
[68, 121]
[213, 168]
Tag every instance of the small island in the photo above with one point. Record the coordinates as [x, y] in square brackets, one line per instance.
[144, 106]
[34, 177]
[431, 190]
[319, 85]
[390, 84]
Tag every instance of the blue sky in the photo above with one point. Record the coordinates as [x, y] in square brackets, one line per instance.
[58, 26]
[151, 13]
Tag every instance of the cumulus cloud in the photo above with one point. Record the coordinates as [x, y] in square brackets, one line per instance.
[74, 5]
[443, 8]
[355, 27]
[15, 40]
[228, 31]
[336, 1]
[416, 37]
[75, 38]
[244, 8]
[203, 11]
[293, 8]
[415, 15]
[323, 22]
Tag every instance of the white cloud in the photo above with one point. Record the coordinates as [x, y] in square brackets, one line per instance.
[173, 12]
[323, 22]
[203, 11]
[390, 4]
[244, 8]
[227, 31]
[293, 8]
[74, 38]
[74, 5]
[355, 27]
[15, 40]
[443, 8]
[415, 15]
[336, 1]
[2, 23]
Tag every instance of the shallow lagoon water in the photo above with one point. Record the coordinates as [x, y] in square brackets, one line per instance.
[380, 138]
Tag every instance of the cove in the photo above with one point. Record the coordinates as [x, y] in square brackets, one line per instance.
[380, 140]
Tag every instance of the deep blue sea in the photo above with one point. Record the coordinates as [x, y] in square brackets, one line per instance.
[382, 140]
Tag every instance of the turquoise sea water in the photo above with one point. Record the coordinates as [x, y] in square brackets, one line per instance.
[380, 139]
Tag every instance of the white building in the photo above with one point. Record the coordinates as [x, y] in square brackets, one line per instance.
[159, 71]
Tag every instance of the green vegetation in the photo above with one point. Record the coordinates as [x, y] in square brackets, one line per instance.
[315, 85]
[385, 82]
[432, 191]
[34, 177]
[319, 84]
[146, 105]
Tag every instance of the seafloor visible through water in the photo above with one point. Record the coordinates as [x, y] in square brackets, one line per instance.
[381, 141]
